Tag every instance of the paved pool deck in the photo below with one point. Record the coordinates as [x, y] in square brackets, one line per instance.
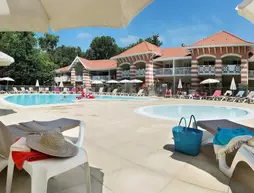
[131, 153]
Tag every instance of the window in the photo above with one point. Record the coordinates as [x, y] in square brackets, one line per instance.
[168, 66]
[209, 62]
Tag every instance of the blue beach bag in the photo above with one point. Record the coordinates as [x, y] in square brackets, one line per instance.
[187, 140]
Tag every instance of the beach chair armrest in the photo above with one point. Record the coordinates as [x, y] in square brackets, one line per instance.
[81, 135]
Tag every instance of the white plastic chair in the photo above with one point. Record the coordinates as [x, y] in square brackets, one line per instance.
[42, 171]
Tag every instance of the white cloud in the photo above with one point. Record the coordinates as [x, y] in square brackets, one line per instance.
[84, 35]
[189, 34]
[129, 39]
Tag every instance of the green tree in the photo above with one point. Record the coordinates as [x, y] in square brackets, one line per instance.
[103, 47]
[48, 42]
[64, 55]
[30, 62]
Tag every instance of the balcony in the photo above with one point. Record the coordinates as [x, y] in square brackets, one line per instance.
[79, 78]
[183, 71]
[206, 70]
[163, 72]
[231, 69]
[251, 74]
[63, 79]
[100, 77]
[179, 71]
[141, 72]
[125, 73]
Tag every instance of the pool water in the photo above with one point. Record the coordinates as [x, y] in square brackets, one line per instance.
[201, 112]
[51, 99]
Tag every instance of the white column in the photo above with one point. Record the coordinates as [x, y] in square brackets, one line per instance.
[174, 78]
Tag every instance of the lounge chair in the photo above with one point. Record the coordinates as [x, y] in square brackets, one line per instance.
[245, 153]
[41, 90]
[238, 96]
[9, 133]
[249, 98]
[216, 93]
[46, 90]
[226, 96]
[65, 91]
[15, 90]
[140, 93]
[23, 90]
[73, 91]
[114, 92]
[57, 90]
[31, 90]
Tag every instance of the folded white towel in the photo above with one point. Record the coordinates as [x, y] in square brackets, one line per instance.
[20, 145]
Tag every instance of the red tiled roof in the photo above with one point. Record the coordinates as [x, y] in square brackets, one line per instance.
[98, 64]
[140, 48]
[174, 52]
[63, 69]
[220, 38]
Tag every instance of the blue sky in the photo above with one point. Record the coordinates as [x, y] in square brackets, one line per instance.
[181, 21]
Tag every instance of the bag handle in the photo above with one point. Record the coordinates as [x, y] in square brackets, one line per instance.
[192, 116]
[185, 123]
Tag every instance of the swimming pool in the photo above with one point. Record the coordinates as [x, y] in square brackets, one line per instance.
[56, 99]
[201, 112]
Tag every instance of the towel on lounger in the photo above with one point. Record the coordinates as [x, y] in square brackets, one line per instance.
[227, 140]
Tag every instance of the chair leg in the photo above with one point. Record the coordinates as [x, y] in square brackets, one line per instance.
[9, 174]
[87, 177]
[39, 181]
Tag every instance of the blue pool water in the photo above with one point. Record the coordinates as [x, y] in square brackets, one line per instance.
[175, 112]
[51, 99]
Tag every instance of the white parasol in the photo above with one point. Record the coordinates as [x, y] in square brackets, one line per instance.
[246, 10]
[97, 82]
[112, 82]
[5, 60]
[136, 81]
[7, 79]
[37, 83]
[61, 84]
[209, 81]
[39, 15]
[125, 81]
[180, 86]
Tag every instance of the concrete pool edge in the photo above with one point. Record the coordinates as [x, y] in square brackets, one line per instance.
[140, 111]
[73, 102]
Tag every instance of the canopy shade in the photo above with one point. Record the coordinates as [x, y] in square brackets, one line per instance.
[125, 81]
[112, 82]
[246, 9]
[97, 82]
[136, 81]
[209, 81]
[7, 79]
[5, 60]
[39, 15]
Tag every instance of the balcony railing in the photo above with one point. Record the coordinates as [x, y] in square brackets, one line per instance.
[79, 78]
[100, 77]
[63, 79]
[251, 74]
[141, 72]
[125, 73]
[183, 71]
[164, 72]
[206, 70]
[231, 69]
[169, 71]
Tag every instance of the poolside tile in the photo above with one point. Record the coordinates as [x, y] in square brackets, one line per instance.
[209, 176]
[132, 151]
[165, 162]
[183, 187]
[135, 179]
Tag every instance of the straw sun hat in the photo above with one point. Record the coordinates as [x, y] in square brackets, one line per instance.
[51, 143]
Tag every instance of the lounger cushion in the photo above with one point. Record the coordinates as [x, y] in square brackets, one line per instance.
[6, 141]
[251, 142]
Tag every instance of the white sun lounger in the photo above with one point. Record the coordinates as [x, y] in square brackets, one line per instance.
[226, 96]
[248, 98]
[140, 93]
[238, 96]
[15, 91]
